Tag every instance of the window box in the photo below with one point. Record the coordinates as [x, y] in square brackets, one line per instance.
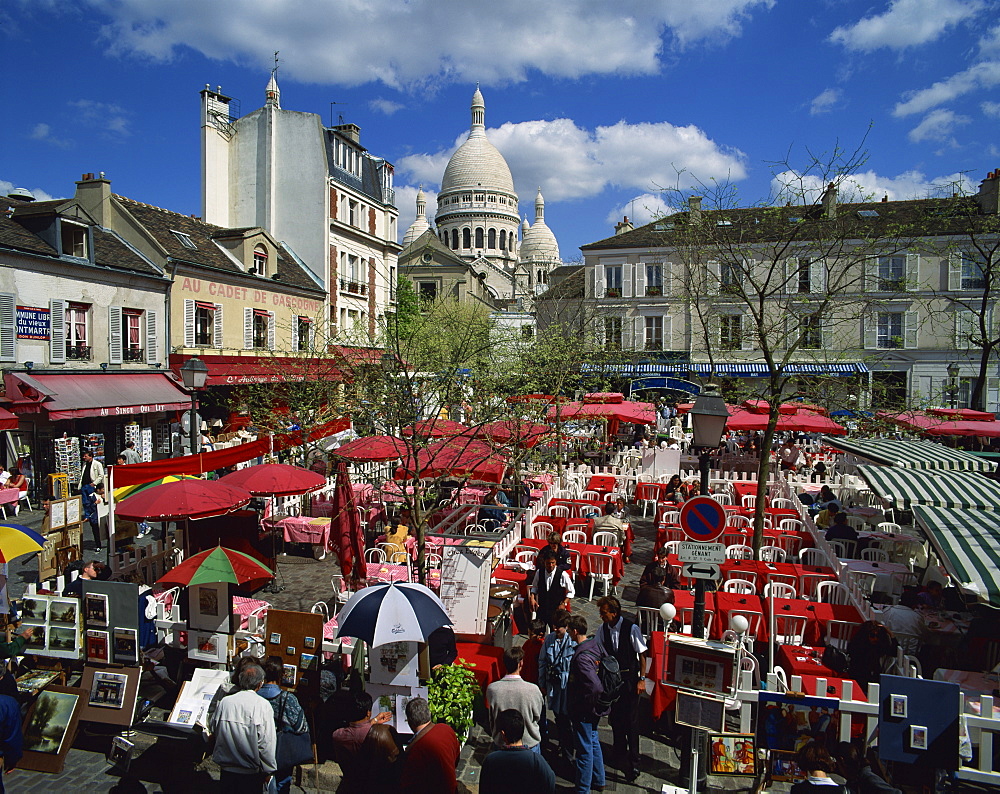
[613, 292]
[654, 291]
[133, 353]
[353, 287]
[78, 352]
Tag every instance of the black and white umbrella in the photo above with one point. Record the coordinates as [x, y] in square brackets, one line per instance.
[395, 612]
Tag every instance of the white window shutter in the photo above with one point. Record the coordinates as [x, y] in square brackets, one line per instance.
[963, 329]
[871, 275]
[217, 326]
[295, 333]
[599, 281]
[825, 332]
[627, 269]
[8, 327]
[871, 330]
[746, 335]
[817, 276]
[57, 332]
[640, 280]
[954, 271]
[712, 278]
[271, 336]
[910, 322]
[667, 278]
[152, 341]
[912, 272]
[639, 324]
[668, 332]
[247, 328]
[791, 274]
[189, 312]
[746, 274]
[115, 334]
[993, 395]
[312, 336]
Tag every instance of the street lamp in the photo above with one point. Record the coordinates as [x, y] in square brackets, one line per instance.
[194, 373]
[952, 385]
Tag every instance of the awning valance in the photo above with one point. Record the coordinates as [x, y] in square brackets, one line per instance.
[7, 420]
[243, 370]
[78, 395]
[911, 454]
[968, 543]
[905, 488]
[737, 370]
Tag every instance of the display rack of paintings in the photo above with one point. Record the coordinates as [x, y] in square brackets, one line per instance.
[34, 681]
[56, 622]
[196, 696]
[62, 533]
[297, 637]
[50, 728]
[112, 695]
[208, 646]
[211, 608]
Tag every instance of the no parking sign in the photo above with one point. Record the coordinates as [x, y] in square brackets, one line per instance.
[703, 519]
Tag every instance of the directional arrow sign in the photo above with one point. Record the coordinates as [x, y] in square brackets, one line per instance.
[701, 570]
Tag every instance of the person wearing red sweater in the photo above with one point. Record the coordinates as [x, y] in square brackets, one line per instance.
[429, 765]
[532, 647]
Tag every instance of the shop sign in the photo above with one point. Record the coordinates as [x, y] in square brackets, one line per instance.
[32, 322]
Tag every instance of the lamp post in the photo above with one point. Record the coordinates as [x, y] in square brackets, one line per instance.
[194, 373]
[952, 385]
[708, 422]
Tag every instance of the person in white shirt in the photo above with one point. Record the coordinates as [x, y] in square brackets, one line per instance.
[906, 622]
[245, 737]
[4, 476]
[552, 589]
[789, 455]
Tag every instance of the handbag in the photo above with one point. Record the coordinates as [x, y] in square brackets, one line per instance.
[293, 748]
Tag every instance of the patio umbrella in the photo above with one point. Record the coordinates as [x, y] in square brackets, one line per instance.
[394, 612]
[128, 490]
[174, 501]
[345, 524]
[456, 457]
[516, 431]
[434, 428]
[218, 565]
[16, 540]
[372, 449]
[275, 479]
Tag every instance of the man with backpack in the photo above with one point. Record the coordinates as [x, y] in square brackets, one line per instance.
[622, 639]
[587, 704]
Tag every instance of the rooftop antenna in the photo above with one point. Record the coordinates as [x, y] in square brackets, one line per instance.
[274, 71]
[340, 115]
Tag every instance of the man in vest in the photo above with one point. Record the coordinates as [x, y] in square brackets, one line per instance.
[552, 588]
[622, 639]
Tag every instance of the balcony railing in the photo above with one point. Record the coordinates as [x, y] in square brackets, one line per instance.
[653, 291]
[613, 292]
[78, 352]
[353, 287]
[133, 354]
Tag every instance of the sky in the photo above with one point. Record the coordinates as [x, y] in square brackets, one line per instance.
[611, 108]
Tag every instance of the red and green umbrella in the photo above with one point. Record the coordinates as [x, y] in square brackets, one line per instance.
[16, 540]
[218, 565]
[128, 490]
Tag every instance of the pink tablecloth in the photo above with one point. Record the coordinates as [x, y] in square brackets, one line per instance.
[244, 606]
[384, 572]
[300, 529]
[582, 550]
[9, 495]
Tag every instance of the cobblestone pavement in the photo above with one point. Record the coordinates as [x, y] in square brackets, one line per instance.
[165, 765]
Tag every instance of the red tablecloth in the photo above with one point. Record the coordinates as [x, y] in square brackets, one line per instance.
[559, 523]
[798, 660]
[764, 569]
[663, 696]
[602, 483]
[684, 599]
[817, 615]
[743, 488]
[487, 659]
[727, 603]
[618, 566]
[300, 529]
[521, 578]
[835, 689]
[649, 490]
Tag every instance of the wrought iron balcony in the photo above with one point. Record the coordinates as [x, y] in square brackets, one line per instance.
[353, 287]
[77, 352]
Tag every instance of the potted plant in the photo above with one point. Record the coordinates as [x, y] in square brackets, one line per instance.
[451, 694]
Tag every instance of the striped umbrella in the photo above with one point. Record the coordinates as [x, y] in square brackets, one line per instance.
[218, 565]
[904, 488]
[911, 454]
[16, 540]
[394, 612]
[968, 543]
[127, 490]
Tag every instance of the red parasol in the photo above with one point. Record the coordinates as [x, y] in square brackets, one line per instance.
[434, 428]
[174, 501]
[963, 414]
[345, 525]
[218, 565]
[936, 426]
[457, 457]
[275, 479]
[372, 449]
[516, 431]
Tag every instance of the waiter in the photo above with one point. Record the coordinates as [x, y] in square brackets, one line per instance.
[91, 478]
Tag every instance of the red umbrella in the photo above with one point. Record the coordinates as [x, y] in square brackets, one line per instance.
[963, 414]
[275, 479]
[457, 457]
[524, 434]
[434, 428]
[174, 501]
[218, 565]
[372, 449]
[345, 524]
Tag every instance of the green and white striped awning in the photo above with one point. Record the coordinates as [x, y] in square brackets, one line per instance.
[968, 543]
[911, 454]
[905, 488]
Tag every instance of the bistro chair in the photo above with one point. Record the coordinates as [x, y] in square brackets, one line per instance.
[874, 555]
[526, 556]
[789, 629]
[900, 581]
[781, 503]
[839, 633]
[780, 677]
[734, 539]
[341, 593]
[649, 620]
[791, 525]
[864, 583]
[749, 501]
[540, 530]
[831, 592]
[741, 586]
[375, 555]
[432, 560]
[755, 619]
[723, 499]
[783, 578]
[739, 552]
[574, 536]
[779, 590]
[889, 528]
[772, 554]
[670, 516]
[592, 496]
[685, 617]
[844, 549]
[814, 556]
[809, 582]
[743, 576]
[672, 546]
[602, 567]
[738, 522]
[559, 511]
[605, 539]
[321, 608]
[789, 543]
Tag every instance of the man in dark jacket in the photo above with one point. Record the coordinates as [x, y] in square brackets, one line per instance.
[585, 707]
[623, 639]
[654, 594]
[514, 768]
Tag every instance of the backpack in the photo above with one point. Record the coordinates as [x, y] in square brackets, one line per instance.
[610, 673]
[836, 660]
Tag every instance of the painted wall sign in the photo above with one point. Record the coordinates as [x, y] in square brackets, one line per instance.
[32, 322]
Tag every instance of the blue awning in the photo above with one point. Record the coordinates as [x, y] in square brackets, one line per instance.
[741, 370]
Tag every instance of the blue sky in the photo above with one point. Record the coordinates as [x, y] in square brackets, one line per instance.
[602, 104]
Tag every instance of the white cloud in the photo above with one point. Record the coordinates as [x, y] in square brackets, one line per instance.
[569, 162]
[406, 203]
[416, 42]
[991, 109]
[826, 101]
[989, 44]
[6, 188]
[869, 186]
[43, 132]
[978, 77]
[641, 210]
[386, 106]
[111, 119]
[937, 125]
[906, 23]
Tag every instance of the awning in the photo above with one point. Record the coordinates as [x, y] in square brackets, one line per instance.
[906, 488]
[911, 454]
[77, 395]
[968, 543]
[244, 370]
[740, 370]
[7, 420]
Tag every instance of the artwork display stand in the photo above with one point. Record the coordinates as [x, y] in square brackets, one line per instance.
[66, 728]
[292, 636]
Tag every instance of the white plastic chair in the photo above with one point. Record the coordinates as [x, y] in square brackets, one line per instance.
[321, 608]
[602, 567]
[559, 511]
[341, 593]
[789, 543]
[741, 586]
[813, 556]
[839, 633]
[889, 528]
[685, 617]
[755, 619]
[540, 530]
[739, 522]
[526, 557]
[789, 629]
[593, 496]
[780, 503]
[779, 590]
[743, 576]
[574, 536]
[723, 498]
[874, 555]
[844, 549]
[672, 546]
[749, 501]
[649, 620]
[831, 592]
[790, 525]
[375, 555]
[670, 516]
[864, 582]
[739, 552]
[772, 554]
[808, 583]
[605, 539]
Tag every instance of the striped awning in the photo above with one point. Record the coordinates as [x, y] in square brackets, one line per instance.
[911, 454]
[906, 488]
[968, 543]
[740, 370]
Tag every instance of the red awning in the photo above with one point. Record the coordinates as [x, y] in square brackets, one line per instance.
[243, 370]
[77, 395]
[7, 420]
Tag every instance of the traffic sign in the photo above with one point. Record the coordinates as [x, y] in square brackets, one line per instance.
[703, 519]
[701, 552]
[701, 570]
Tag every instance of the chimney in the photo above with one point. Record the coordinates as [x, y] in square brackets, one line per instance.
[624, 226]
[829, 199]
[694, 208]
[350, 131]
[988, 196]
[94, 195]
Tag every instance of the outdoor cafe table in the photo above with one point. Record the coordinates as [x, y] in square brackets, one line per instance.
[817, 615]
[803, 661]
[973, 686]
[744, 488]
[579, 507]
[560, 525]
[387, 571]
[883, 571]
[945, 627]
[244, 606]
[487, 661]
[300, 529]
[517, 577]
[727, 603]
[684, 599]
[602, 483]
[583, 549]
[765, 569]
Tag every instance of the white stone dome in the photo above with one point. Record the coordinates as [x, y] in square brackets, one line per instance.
[420, 223]
[538, 242]
[477, 163]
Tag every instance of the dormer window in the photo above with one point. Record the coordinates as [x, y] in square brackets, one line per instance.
[74, 239]
[184, 239]
[259, 265]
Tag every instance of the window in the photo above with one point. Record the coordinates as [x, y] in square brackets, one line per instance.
[427, 290]
[527, 332]
[491, 239]
[204, 324]
[613, 333]
[654, 333]
[74, 239]
[811, 332]
[731, 332]
[612, 281]
[503, 239]
[454, 239]
[77, 344]
[466, 238]
[891, 274]
[542, 277]
[184, 239]
[729, 277]
[259, 265]
[973, 276]
[890, 330]
[303, 334]
[804, 280]
[132, 350]
[352, 213]
[654, 279]
[479, 238]
[261, 328]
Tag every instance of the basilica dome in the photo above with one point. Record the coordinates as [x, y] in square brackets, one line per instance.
[537, 241]
[477, 163]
